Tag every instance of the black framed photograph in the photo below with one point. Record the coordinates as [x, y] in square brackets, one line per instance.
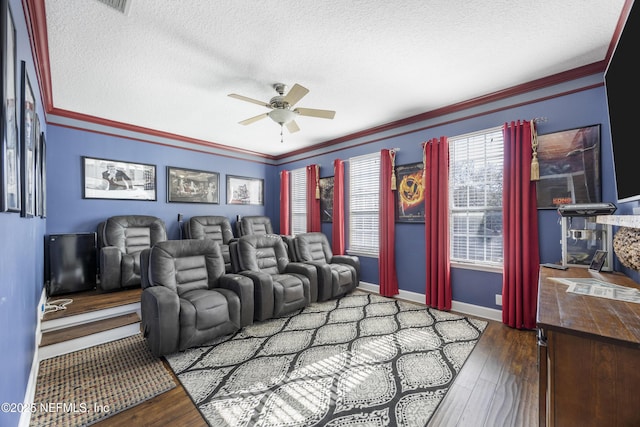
[28, 145]
[43, 175]
[10, 188]
[569, 164]
[118, 180]
[192, 186]
[37, 168]
[326, 199]
[242, 190]
[410, 193]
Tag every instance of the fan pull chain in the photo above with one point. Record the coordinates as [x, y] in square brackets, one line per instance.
[281, 137]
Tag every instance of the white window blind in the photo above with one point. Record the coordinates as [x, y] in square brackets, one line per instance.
[475, 197]
[298, 201]
[364, 201]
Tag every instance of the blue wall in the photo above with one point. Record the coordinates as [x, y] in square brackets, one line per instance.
[582, 108]
[70, 213]
[21, 265]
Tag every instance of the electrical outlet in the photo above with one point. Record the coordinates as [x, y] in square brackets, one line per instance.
[498, 299]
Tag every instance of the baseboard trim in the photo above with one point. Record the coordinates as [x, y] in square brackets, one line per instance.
[457, 306]
[76, 344]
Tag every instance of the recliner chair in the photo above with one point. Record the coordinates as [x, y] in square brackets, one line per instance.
[216, 228]
[121, 239]
[280, 286]
[256, 224]
[187, 298]
[337, 274]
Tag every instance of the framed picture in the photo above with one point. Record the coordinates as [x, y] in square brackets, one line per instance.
[569, 167]
[244, 191]
[37, 168]
[118, 180]
[326, 199]
[28, 145]
[192, 186]
[410, 193]
[43, 175]
[10, 188]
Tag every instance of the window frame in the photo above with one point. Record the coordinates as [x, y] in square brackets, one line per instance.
[364, 211]
[298, 200]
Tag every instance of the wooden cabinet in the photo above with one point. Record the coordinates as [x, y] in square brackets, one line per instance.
[589, 354]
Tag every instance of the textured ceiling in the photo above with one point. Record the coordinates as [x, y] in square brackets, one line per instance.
[169, 65]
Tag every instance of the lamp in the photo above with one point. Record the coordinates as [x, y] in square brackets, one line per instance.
[282, 116]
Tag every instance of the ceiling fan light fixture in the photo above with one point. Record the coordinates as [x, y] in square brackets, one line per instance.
[282, 116]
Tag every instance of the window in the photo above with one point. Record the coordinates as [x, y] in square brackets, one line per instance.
[475, 197]
[364, 195]
[298, 201]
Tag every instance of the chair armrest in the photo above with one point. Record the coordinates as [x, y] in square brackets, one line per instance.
[351, 260]
[145, 279]
[243, 286]
[160, 309]
[110, 260]
[263, 299]
[313, 271]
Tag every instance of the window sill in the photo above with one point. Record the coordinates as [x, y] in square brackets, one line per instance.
[478, 267]
[362, 253]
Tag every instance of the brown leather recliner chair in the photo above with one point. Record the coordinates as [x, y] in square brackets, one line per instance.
[216, 228]
[280, 286]
[337, 274]
[187, 298]
[121, 239]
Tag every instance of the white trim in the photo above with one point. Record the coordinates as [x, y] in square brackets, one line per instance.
[76, 344]
[30, 392]
[459, 307]
[92, 316]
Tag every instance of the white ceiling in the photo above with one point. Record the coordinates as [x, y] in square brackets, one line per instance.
[168, 65]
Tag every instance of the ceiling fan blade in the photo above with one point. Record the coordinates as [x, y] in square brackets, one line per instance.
[312, 112]
[253, 101]
[292, 126]
[253, 119]
[295, 94]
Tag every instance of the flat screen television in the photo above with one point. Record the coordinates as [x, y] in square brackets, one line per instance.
[622, 87]
[71, 263]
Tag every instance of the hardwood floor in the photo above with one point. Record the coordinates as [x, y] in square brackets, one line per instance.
[497, 386]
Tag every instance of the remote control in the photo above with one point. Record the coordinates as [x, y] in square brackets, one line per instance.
[556, 266]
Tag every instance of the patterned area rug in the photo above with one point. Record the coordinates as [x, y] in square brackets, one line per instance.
[362, 360]
[87, 386]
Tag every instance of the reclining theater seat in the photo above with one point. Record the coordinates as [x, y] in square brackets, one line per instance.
[337, 274]
[121, 239]
[280, 286]
[256, 224]
[187, 298]
[216, 228]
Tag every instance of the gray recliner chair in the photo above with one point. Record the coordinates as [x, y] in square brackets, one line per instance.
[254, 224]
[187, 298]
[216, 228]
[280, 286]
[337, 274]
[121, 239]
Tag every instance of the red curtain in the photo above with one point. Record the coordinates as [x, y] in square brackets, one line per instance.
[313, 198]
[337, 232]
[285, 207]
[520, 229]
[435, 156]
[387, 254]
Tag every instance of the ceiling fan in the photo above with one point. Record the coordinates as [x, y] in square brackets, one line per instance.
[281, 106]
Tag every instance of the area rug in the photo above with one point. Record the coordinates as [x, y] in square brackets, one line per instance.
[362, 360]
[87, 386]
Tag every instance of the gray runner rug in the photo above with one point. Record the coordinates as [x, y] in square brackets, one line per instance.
[362, 360]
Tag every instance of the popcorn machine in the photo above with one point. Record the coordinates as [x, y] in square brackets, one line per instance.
[582, 236]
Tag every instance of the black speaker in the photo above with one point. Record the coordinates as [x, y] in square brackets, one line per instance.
[71, 263]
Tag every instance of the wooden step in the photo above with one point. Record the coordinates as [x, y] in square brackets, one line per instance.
[90, 301]
[59, 335]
